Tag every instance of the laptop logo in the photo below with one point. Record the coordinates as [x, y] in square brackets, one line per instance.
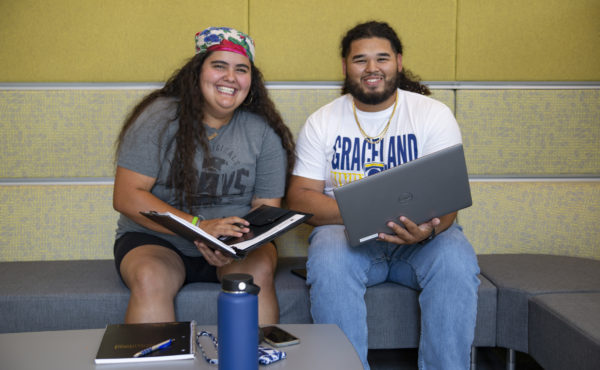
[405, 197]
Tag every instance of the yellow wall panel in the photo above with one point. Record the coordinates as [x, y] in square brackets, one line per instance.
[56, 222]
[146, 40]
[302, 38]
[61, 133]
[71, 133]
[558, 218]
[530, 132]
[295, 105]
[528, 40]
[105, 40]
[61, 222]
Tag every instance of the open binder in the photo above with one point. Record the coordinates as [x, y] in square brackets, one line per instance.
[266, 224]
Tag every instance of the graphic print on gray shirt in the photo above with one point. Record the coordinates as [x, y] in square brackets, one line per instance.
[247, 160]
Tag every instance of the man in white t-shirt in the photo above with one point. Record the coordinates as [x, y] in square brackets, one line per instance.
[383, 120]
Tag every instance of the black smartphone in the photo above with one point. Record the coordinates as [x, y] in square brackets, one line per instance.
[301, 272]
[278, 337]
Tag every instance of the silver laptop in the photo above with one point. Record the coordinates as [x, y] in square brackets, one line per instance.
[427, 187]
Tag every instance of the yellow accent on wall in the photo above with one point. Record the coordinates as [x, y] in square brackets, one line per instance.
[57, 222]
[534, 217]
[105, 40]
[62, 133]
[70, 133]
[303, 37]
[62, 222]
[537, 40]
[445, 40]
[530, 132]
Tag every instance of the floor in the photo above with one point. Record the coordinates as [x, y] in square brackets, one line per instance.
[487, 359]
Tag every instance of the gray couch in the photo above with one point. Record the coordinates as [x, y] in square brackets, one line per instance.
[528, 303]
[547, 306]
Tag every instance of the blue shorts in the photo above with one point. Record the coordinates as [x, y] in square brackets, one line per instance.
[196, 268]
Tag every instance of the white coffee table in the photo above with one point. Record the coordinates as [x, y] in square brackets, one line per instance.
[321, 347]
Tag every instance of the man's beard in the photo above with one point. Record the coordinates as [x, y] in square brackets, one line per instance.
[371, 98]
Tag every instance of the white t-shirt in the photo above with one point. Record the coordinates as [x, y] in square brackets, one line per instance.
[330, 146]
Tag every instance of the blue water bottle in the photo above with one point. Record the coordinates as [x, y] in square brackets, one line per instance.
[237, 308]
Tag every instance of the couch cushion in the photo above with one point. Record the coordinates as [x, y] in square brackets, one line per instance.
[392, 310]
[58, 295]
[82, 294]
[520, 276]
[292, 292]
[393, 316]
[564, 330]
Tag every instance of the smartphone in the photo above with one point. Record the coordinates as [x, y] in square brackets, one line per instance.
[301, 272]
[278, 337]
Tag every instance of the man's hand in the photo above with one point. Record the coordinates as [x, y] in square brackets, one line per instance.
[411, 233]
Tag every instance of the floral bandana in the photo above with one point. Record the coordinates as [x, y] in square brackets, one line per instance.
[225, 39]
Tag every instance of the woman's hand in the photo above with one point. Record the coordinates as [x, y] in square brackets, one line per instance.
[217, 227]
[228, 226]
[214, 258]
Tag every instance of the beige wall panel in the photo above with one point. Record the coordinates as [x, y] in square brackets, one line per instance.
[67, 222]
[526, 217]
[294, 243]
[295, 105]
[56, 222]
[299, 40]
[530, 132]
[105, 40]
[71, 133]
[61, 133]
[535, 40]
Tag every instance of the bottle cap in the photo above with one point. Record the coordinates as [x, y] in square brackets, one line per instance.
[239, 283]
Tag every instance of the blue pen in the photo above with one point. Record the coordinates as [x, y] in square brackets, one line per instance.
[155, 347]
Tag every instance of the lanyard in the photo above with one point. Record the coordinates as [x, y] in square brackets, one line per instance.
[203, 333]
[266, 355]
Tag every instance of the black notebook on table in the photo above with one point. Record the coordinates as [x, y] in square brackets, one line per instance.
[266, 224]
[122, 341]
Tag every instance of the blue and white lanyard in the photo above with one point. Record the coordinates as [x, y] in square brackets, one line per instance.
[266, 355]
[203, 333]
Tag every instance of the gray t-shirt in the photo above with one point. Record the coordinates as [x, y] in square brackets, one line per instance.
[248, 160]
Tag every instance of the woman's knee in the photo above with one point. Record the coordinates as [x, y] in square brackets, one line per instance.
[152, 273]
[261, 264]
[263, 273]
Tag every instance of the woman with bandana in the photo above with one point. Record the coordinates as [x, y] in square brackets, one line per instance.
[208, 147]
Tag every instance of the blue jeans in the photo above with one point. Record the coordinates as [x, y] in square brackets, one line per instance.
[444, 271]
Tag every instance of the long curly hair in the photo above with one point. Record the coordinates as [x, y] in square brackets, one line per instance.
[184, 85]
[406, 80]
